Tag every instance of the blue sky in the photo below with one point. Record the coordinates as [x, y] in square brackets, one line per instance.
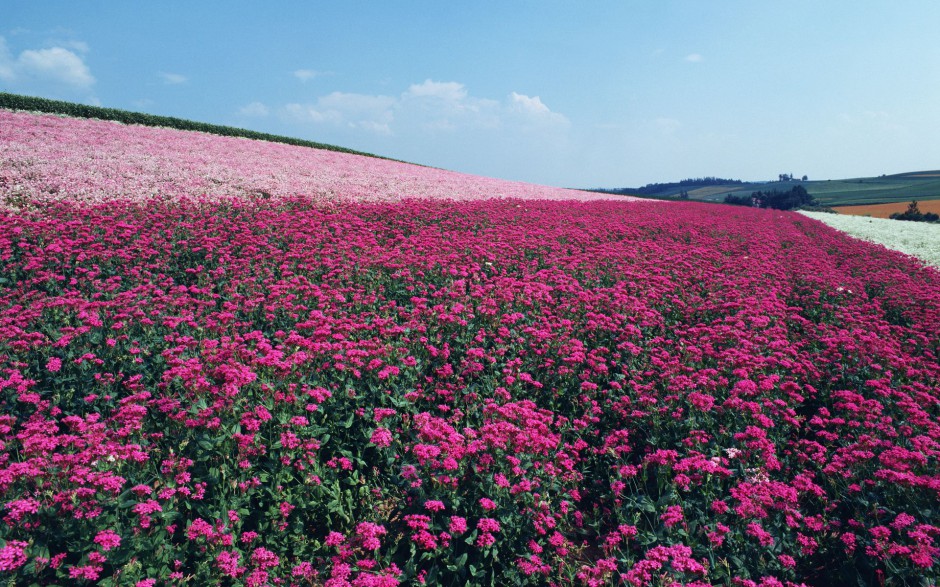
[575, 94]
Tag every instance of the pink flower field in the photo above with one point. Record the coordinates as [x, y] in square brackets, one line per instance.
[47, 157]
[226, 362]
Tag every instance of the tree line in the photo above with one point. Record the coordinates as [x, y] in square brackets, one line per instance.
[913, 213]
[795, 197]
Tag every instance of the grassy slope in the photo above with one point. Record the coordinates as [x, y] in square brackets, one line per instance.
[904, 187]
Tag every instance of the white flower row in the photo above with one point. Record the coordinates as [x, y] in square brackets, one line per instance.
[920, 239]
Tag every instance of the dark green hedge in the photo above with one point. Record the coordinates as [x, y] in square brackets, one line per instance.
[31, 103]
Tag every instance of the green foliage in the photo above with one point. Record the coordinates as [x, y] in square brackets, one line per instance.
[795, 197]
[914, 214]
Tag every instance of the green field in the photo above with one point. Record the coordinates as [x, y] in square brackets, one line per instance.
[903, 187]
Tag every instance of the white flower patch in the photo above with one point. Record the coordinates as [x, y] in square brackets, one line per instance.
[920, 239]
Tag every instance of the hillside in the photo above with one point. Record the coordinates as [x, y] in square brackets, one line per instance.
[53, 158]
[904, 187]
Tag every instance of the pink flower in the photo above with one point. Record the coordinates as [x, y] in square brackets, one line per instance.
[88, 572]
[457, 525]
[285, 509]
[13, 555]
[672, 516]
[488, 525]
[381, 437]
[763, 536]
[200, 527]
[369, 534]
[107, 539]
[227, 562]
[433, 505]
[335, 539]
[487, 504]
[264, 558]
[53, 364]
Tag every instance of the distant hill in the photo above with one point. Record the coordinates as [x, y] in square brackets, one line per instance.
[902, 187]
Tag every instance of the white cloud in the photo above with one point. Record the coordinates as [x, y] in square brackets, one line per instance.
[255, 109]
[446, 106]
[447, 91]
[372, 113]
[528, 105]
[55, 64]
[694, 58]
[430, 106]
[79, 46]
[172, 79]
[533, 115]
[305, 75]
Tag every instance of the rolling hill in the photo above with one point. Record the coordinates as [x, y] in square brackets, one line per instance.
[902, 187]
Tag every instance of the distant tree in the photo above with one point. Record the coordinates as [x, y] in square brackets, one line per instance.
[913, 213]
[683, 195]
[805, 178]
[796, 197]
[739, 200]
[665, 189]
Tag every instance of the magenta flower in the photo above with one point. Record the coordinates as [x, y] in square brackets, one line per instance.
[13, 555]
[381, 437]
[672, 516]
[54, 364]
[487, 504]
[107, 539]
[457, 525]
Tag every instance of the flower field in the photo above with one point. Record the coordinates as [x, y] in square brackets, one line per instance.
[51, 158]
[205, 387]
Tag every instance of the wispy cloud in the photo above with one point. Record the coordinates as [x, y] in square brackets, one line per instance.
[445, 91]
[306, 75]
[172, 79]
[694, 58]
[255, 109]
[432, 106]
[362, 111]
[666, 126]
[80, 46]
